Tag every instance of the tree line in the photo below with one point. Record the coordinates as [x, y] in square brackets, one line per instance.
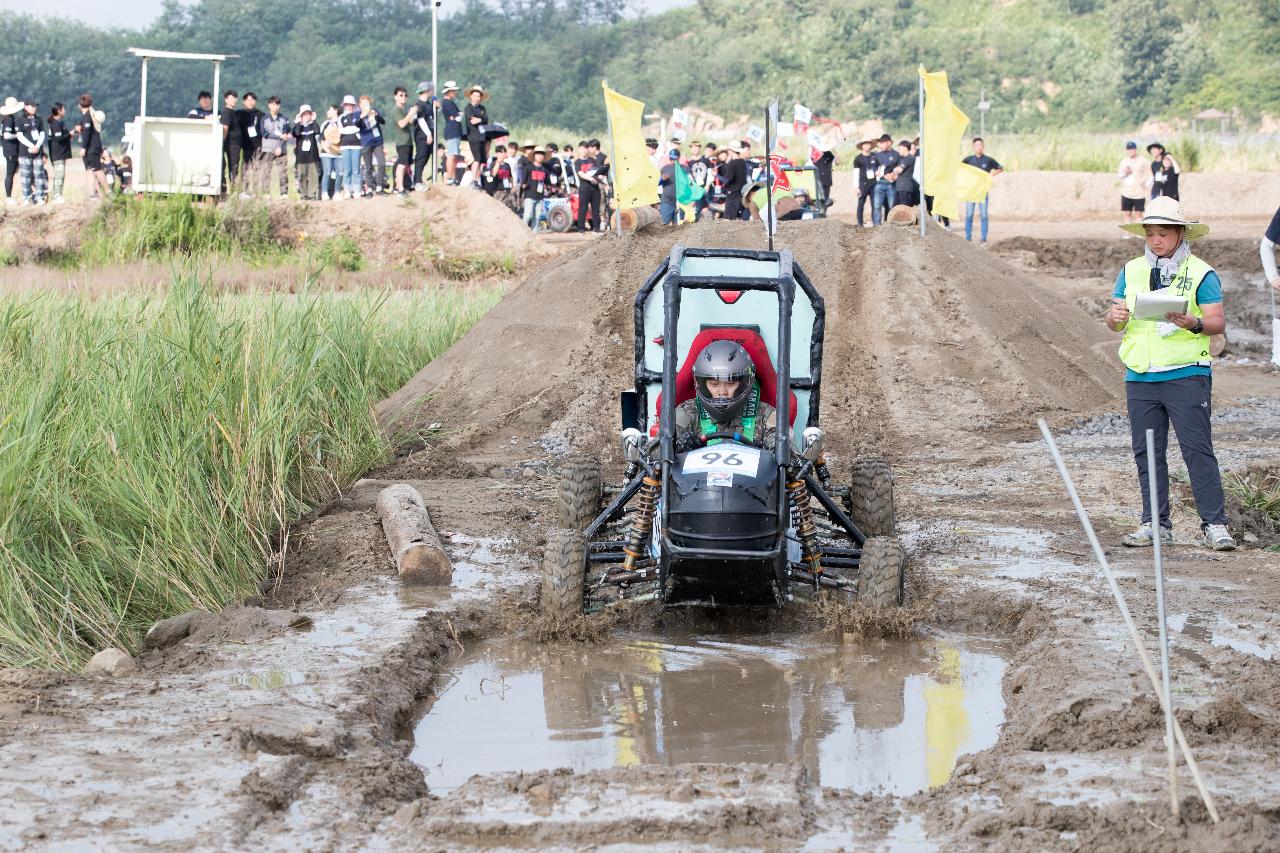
[1096, 64]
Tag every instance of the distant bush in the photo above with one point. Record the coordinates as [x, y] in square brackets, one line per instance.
[341, 252]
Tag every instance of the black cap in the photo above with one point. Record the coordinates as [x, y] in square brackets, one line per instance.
[884, 137]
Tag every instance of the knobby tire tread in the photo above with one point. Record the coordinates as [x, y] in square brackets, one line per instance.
[564, 568]
[871, 498]
[881, 572]
[581, 489]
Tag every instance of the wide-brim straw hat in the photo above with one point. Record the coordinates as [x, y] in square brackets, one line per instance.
[11, 105]
[1166, 211]
[484, 96]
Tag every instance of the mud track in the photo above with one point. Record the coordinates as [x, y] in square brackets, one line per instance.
[254, 734]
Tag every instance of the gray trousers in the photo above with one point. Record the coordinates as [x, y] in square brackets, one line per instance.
[1186, 403]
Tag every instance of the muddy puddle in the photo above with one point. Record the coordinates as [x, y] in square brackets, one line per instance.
[866, 716]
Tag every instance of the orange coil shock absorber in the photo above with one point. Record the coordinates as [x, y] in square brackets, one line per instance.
[646, 503]
[802, 518]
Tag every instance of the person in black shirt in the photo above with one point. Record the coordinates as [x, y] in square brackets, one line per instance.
[734, 174]
[9, 127]
[90, 128]
[1164, 172]
[203, 107]
[884, 196]
[534, 187]
[864, 166]
[475, 117]
[306, 153]
[59, 148]
[980, 160]
[700, 174]
[31, 138]
[905, 186]
[589, 189]
[249, 121]
[230, 138]
[424, 135]
[125, 173]
[823, 166]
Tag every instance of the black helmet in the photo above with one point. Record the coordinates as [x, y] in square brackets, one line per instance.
[725, 361]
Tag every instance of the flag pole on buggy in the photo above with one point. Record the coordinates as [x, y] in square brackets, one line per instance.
[770, 117]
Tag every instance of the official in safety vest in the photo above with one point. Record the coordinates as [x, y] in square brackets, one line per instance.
[727, 400]
[1169, 377]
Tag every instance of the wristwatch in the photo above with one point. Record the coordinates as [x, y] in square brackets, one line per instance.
[1198, 328]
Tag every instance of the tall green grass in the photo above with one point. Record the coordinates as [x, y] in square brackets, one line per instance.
[128, 228]
[153, 450]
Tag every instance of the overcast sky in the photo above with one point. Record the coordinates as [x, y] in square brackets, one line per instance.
[138, 13]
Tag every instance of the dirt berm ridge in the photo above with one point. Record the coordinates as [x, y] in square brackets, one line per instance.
[928, 341]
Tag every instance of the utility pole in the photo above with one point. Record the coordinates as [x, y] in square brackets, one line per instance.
[435, 98]
[983, 106]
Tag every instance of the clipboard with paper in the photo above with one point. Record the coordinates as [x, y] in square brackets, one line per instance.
[1154, 305]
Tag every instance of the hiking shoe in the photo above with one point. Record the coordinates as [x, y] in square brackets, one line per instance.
[1217, 537]
[57, 199]
[1143, 537]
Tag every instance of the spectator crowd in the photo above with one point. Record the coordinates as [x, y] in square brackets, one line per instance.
[354, 149]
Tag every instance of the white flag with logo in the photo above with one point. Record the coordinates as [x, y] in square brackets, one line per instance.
[814, 139]
[755, 133]
[803, 114]
[679, 124]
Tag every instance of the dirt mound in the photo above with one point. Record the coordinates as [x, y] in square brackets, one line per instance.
[1106, 257]
[442, 222]
[925, 339]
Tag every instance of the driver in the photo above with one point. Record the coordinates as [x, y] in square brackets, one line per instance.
[727, 400]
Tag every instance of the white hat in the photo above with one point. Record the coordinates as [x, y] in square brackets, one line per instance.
[349, 99]
[305, 108]
[11, 105]
[1165, 210]
[449, 85]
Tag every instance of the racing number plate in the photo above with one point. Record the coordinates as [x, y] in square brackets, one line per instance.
[723, 459]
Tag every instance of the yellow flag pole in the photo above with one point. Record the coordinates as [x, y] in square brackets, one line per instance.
[924, 206]
[613, 164]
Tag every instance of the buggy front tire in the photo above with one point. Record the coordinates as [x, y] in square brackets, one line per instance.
[564, 570]
[871, 498]
[581, 490]
[882, 572]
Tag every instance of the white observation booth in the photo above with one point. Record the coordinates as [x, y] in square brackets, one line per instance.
[178, 155]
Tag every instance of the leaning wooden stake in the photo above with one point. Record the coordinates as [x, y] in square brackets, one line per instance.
[1127, 617]
[415, 547]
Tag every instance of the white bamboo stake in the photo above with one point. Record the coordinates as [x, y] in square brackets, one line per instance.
[1164, 632]
[1125, 615]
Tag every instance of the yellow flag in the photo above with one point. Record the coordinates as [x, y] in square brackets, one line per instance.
[635, 178]
[972, 184]
[944, 125]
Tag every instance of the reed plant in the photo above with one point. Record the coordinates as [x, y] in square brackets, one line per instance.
[154, 450]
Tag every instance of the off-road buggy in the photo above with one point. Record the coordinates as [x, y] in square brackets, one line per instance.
[728, 522]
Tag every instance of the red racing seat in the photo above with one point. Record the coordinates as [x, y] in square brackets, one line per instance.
[753, 344]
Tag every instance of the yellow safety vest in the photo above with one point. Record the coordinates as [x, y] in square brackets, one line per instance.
[1142, 348]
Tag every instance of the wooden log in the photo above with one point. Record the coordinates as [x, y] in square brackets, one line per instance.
[639, 217]
[900, 214]
[415, 547]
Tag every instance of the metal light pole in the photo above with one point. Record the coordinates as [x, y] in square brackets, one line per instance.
[435, 95]
[983, 106]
